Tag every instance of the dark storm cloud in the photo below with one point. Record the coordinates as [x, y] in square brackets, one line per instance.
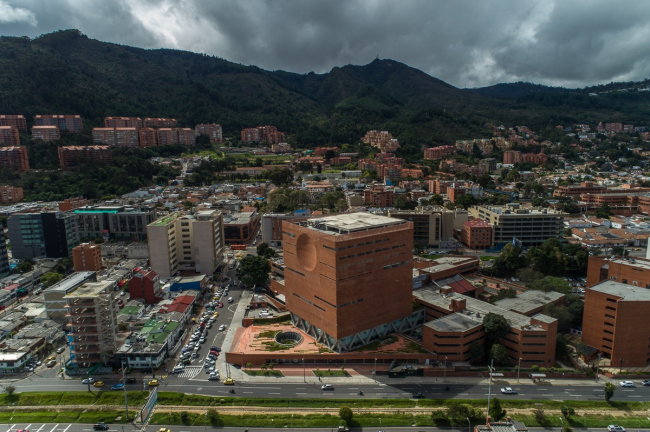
[466, 43]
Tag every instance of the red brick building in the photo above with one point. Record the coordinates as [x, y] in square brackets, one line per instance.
[87, 257]
[574, 191]
[211, 130]
[10, 194]
[320, 151]
[148, 137]
[159, 122]
[117, 137]
[476, 234]
[615, 323]
[435, 153]
[176, 136]
[332, 265]
[262, 134]
[13, 120]
[454, 191]
[65, 123]
[123, 122]
[72, 203]
[9, 136]
[72, 155]
[14, 158]
[46, 133]
[145, 285]
[379, 196]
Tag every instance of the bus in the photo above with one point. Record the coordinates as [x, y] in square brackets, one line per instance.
[237, 247]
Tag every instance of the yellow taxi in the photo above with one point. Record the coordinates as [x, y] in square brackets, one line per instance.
[216, 314]
[152, 383]
[163, 430]
[50, 358]
[229, 381]
[98, 384]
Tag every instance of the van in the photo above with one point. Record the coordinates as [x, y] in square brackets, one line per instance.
[230, 300]
[178, 369]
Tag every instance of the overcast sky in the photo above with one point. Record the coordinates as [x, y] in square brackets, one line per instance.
[465, 43]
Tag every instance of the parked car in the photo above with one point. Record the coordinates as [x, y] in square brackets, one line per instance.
[222, 327]
[51, 363]
[60, 350]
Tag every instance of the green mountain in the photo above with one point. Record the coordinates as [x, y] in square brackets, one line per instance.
[66, 72]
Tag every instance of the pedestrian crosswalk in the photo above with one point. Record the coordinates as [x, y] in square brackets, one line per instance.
[190, 372]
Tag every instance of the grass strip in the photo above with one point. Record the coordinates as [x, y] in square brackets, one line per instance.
[330, 373]
[70, 416]
[73, 398]
[269, 373]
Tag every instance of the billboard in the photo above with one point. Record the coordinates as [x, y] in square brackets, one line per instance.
[148, 407]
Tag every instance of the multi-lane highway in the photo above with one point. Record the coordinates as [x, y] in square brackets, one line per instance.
[54, 427]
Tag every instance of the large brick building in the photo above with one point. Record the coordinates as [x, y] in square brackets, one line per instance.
[9, 136]
[175, 136]
[159, 122]
[123, 122]
[383, 140]
[65, 123]
[476, 234]
[241, 228]
[117, 137]
[262, 134]
[45, 133]
[148, 137]
[210, 129]
[633, 271]
[14, 158]
[332, 265]
[615, 322]
[87, 257]
[71, 156]
[10, 194]
[435, 153]
[574, 191]
[379, 196]
[18, 121]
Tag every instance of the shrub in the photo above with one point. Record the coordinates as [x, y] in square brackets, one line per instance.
[346, 414]
[540, 415]
[439, 418]
[567, 411]
[185, 417]
[535, 368]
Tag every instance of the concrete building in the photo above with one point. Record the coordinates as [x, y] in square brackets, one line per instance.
[455, 322]
[46, 133]
[476, 234]
[10, 194]
[615, 323]
[50, 234]
[192, 242]
[18, 121]
[87, 257]
[241, 228]
[432, 225]
[148, 348]
[53, 297]
[14, 158]
[65, 123]
[272, 225]
[117, 137]
[487, 165]
[210, 129]
[4, 257]
[9, 136]
[92, 321]
[530, 226]
[332, 265]
[71, 156]
[121, 223]
[123, 122]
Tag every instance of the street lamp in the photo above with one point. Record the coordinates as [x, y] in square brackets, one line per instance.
[621, 367]
[304, 376]
[291, 422]
[444, 376]
[518, 369]
[379, 423]
[376, 370]
[205, 421]
[490, 387]
[562, 420]
[469, 425]
[597, 367]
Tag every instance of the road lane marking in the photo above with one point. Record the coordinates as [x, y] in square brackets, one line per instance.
[306, 393]
[65, 430]
[55, 427]
[274, 393]
[633, 396]
[8, 430]
[39, 429]
[547, 394]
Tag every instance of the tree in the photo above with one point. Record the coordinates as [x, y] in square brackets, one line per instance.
[123, 327]
[450, 206]
[496, 327]
[213, 416]
[609, 391]
[50, 278]
[271, 366]
[496, 411]
[476, 351]
[280, 177]
[185, 417]
[619, 251]
[436, 199]
[98, 240]
[604, 211]
[499, 354]
[249, 365]
[329, 154]
[418, 248]
[459, 413]
[264, 250]
[567, 411]
[254, 270]
[439, 418]
[550, 283]
[9, 389]
[25, 265]
[540, 415]
[346, 414]
[465, 201]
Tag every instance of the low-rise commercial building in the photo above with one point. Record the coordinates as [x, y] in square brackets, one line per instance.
[241, 228]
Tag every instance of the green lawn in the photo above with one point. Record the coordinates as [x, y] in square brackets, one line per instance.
[487, 258]
[432, 256]
[284, 420]
[331, 373]
[273, 373]
[106, 397]
[68, 416]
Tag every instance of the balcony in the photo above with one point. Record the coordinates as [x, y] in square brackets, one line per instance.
[86, 351]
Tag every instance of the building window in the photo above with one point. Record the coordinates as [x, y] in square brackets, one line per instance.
[624, 281]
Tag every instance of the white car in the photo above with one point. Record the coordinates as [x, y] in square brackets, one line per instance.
[88, 381]
[508, 390]
[327, 387]
[222, 327]
[626, 384]
[615, 428]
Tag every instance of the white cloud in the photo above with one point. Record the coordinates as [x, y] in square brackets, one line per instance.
[10, 14]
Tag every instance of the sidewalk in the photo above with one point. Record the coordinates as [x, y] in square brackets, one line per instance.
[238, 316]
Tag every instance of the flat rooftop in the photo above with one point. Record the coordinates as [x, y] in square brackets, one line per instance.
[70, 282]
[529, 300]
[352, 222]
[456, 322]
[165, 220]
[625, 291]
[242, 218]
[91, 289]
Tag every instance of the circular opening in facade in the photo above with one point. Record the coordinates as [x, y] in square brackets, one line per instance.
[288, 338]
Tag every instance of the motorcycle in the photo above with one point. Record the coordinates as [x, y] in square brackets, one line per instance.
[360, 393]
[447, 388]
[231, 391]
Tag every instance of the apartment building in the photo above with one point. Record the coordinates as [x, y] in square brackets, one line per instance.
[121, 223]
[46, 133]
[10, 194]
[262, 134]
[87, 257]
[65, 123]
[455, 323]
[272, 225]
[435, 153]
[123, 122]
[18, 121]
[159, 122]
[117, 137]
[432, 225]
[176, 136]
[383, 140]
[476, 234]
[4, 256]
[145, 285]
[210, 129]
[241, 228]
[532, 226]
[148, 137]
[574, 191]
[191, 242]
[466, 146]
[72, 203]
[14, 158]
[50, 234]
[332, 265]
[53, 297]
[615, 323]
[488, 165]
[9, 136]
[72, 156]
[379, 196]
[92, 324]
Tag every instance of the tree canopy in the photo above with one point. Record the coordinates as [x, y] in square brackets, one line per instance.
[254, 270]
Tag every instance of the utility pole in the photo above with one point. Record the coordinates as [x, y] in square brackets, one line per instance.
[469, 425]
[444, 371]
[621, 367]
[126, 403]
[597, 367]
[304, 376]
[490, 387]
[375, 369]
[518, 369]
